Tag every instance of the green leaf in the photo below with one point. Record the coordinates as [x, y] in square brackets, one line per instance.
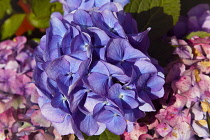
[5, 8]
[42, 9]
[198, 33]
[160, 15]
[106, 135]
[38, 22]
[11, 25]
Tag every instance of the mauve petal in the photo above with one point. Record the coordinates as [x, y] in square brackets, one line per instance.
[108, 6]
[60, 101]
[101, 38]
[116, 72]
[82, 18]
[75, 97]
[42, 100]
[184, 52]
[65, 127]
[97, 19]
[134, 114]
[145, 102]
[57, 27]
[91, 100]
[52, 50]
[101, 128]
[114, 29]
[52, 114]
[99, 3]
[67, 39]
[57, 67]
[57, 15]
[98, 83]
[131, 53]
[80, 46]
[117, 125]
[105, 116]
[87, 4]
[89, 125]
[129, 102]
[121, 50]
[155, 83]
[74, 63]
[63, 83]
[73, 4]
[37, 119]
[114, 91]
[156, 94]
[122, 2]
[142, 81]
[98, 108]
[142, 67]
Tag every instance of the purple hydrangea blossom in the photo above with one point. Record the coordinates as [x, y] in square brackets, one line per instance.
[90, 72]
[71, 5]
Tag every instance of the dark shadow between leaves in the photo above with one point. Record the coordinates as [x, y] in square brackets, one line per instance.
[160, 24]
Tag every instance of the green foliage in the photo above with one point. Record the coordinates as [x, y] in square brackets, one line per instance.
[37, 15]
[11, 25]
[106, 135]
[160, 15]
[39, 22]
[42, 9]
[5, 8]
[198, 33]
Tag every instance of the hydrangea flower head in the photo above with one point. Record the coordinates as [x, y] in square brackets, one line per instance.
[71, 5]
[190, 87]
[91, 74]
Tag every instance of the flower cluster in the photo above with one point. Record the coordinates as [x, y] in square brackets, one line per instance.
[91, 74]
[16, 64]
[198, 19]
[193, 82]
[185, 106]
[71, 5]
[20, 117]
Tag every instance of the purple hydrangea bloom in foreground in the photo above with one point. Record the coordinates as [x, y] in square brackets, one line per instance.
[71, 5]
[91, 74]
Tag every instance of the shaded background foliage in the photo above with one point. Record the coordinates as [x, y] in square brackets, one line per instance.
[25, 17]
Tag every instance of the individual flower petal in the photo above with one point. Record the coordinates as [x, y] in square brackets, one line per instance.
[53, 114]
